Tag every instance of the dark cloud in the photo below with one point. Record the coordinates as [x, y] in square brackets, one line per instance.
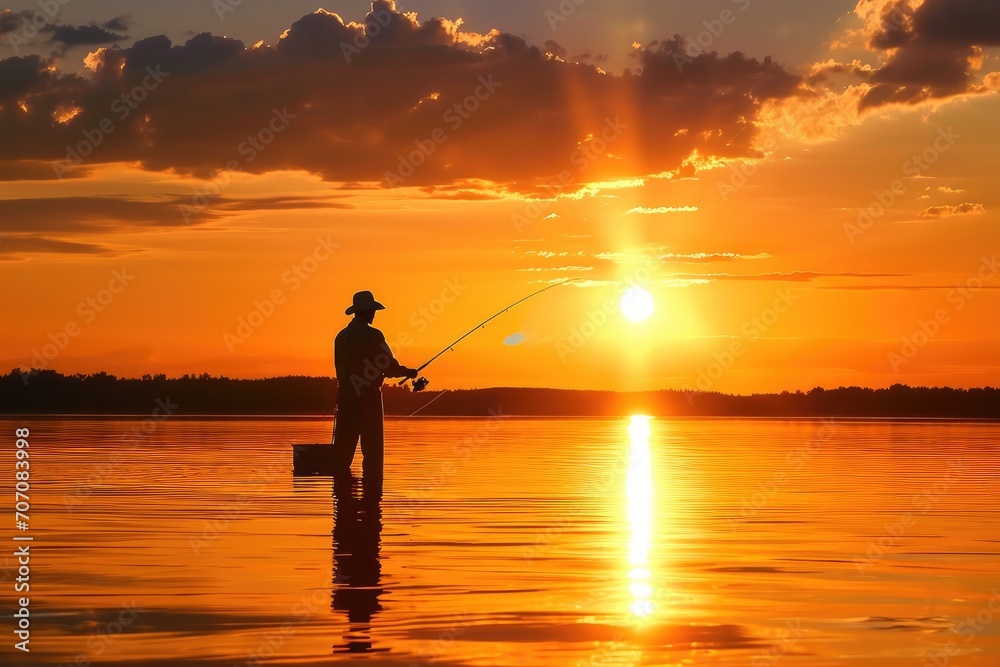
[324, 33]
[202, 52]
[318, 34]
[83, 35]
[553, 47]
[667, 69]
[587, 55]
[360, 99]
[87, 214]
[893, 26]
[959, 22]
[118, 23]
[97, 215]
[21, 75]
[919, 72]
[16, 246]
[11, 20]
[934, 50]
[279, 204]
[33, 170]
[67, 35]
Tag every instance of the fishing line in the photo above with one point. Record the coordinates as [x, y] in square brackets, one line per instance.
[443, 392]
[420, 383]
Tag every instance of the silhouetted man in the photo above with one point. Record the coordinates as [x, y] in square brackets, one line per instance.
[363, 360]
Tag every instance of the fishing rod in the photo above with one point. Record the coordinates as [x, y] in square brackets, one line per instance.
[420, 383]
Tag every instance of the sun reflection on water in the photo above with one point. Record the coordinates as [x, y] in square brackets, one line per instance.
[639, 494]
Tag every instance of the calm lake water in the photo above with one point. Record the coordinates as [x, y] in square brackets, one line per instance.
[515, 542]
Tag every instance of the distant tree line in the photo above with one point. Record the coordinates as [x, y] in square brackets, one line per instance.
[49, 392]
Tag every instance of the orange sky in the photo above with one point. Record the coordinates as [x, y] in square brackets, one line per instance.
[727, 188]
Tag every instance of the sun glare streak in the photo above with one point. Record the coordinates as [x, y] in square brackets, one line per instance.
[639, 495]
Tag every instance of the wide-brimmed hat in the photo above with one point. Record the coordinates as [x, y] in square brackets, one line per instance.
[364, 301]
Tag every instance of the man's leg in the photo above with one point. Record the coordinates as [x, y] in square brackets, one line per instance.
[345, 437]
[372, 447]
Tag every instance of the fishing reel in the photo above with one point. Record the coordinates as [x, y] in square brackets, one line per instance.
[420, 383]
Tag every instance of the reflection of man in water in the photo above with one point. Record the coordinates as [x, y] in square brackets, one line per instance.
[357, 532]
[363, 360]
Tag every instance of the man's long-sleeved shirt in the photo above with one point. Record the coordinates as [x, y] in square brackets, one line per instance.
[363, 359]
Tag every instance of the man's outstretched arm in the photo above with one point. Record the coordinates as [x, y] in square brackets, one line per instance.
[395, 369]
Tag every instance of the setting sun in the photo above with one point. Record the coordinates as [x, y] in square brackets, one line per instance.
[637, 305]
